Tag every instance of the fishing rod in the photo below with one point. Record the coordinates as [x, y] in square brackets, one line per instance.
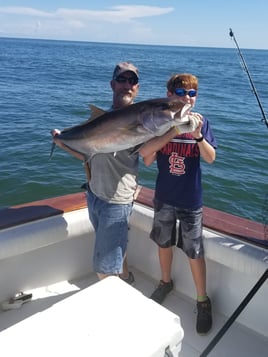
[264, 119]
[235, 314]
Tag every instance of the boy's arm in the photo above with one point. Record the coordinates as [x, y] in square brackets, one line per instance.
[207, 151]
[149, 149]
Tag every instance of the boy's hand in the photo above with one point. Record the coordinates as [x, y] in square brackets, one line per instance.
[194, 123]
[197, 132]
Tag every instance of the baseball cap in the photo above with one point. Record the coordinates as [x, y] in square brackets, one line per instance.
[125, 67]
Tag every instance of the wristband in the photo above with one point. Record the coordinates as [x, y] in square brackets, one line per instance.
[199, 139]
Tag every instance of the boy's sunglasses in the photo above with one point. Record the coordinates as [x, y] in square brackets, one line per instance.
[131, 80]
[181, 92]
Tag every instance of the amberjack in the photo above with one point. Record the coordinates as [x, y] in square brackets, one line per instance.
[128, 127]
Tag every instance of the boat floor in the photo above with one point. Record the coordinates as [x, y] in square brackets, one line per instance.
[238, 340]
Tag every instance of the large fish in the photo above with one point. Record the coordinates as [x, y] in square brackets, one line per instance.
[124, 128]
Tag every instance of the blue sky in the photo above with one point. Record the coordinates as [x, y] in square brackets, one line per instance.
[183, 23]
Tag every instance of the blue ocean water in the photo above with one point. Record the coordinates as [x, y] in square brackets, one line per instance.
[48, 84]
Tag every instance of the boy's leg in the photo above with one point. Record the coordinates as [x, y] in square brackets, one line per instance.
[165, 259]
[204, 313]
[198, 269]
[166, 284]
[164, 235]
[192, 244]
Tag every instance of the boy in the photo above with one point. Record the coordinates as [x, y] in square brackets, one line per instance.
[178, 195]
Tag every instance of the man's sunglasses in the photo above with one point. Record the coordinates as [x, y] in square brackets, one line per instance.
[181, 92]
[131, 80]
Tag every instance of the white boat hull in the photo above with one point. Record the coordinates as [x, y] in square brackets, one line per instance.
[57, 251]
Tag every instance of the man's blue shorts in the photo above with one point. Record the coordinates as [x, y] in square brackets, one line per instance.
[110, 222]
[188, 237]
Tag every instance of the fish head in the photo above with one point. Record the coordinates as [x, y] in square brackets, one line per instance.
[164, 113]
[180, 111]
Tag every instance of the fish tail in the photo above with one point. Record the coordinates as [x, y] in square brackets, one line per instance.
[52, 150]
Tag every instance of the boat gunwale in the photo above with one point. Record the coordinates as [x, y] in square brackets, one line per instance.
[222, 222]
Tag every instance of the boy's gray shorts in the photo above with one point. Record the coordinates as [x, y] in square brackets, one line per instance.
[185, 233]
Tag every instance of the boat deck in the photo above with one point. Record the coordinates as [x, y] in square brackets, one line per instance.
[237, 340]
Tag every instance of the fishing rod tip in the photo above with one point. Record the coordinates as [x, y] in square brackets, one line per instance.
[231, 32]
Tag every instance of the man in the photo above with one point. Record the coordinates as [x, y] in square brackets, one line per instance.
[178, 195]
[111, 187]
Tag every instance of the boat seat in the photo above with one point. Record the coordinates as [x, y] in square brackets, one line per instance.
[236, 254]
[43, 232]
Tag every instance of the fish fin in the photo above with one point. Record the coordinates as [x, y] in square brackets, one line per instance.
[139, 128]
[135, 149]
[95, 112]
[52, 150]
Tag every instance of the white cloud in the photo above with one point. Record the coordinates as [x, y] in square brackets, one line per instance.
[118, 13]
[129, 12]
[66, 23]
[24, 11]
